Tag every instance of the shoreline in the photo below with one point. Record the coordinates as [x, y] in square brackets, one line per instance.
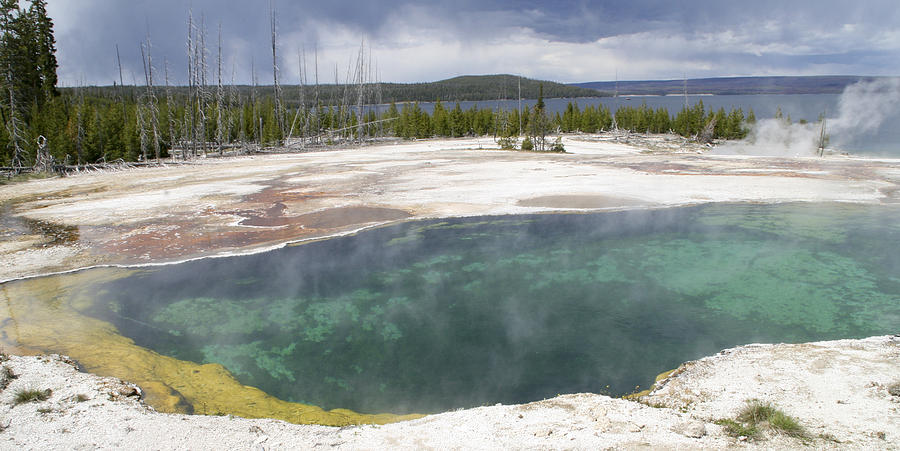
[843, 393]
[161, 216]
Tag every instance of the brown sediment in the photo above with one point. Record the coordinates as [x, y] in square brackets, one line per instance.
[52, 233]
[49, 233]
[44, 315]
[580, 201]
[186, 237]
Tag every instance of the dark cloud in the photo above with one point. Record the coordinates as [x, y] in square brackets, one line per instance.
[792, 37]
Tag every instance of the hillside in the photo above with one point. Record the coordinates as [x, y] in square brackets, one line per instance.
[467, 87]
[827, 84]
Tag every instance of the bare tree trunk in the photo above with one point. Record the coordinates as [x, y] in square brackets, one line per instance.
[121, 89]
[150, 101]
[318, 127]
[233, 102]
[204, 84]
[192, 78]
[706, 135]
[360, 71]
[254, 101]
[170, 111]
[823, 137]
[279, 108]
[379, 100]
[301, 56]
[14, 128]
[220, 100]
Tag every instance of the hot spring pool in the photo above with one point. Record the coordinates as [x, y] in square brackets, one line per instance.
[431, 316]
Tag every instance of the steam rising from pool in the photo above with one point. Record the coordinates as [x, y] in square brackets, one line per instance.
[862, 108]
[426, 317]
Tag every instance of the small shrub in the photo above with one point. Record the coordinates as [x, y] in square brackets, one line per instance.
[23, 396]
[558, 146]
[527, 144]
[508, 143]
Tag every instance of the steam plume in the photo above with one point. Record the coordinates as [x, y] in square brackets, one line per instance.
[862, 109]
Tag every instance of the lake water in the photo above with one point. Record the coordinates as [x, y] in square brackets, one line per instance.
[881, 141]
[437, 315]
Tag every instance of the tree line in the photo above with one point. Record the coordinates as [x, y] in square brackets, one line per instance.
[47, 127]
[82, 128]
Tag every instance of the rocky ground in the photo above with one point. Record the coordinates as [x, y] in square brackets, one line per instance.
[844, 394]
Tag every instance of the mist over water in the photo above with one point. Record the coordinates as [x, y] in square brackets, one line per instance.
[431, 316]
[862, 110]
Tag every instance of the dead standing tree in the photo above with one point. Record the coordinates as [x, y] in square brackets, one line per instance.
[150, 105]
[15, 129]
[301, 108]
[197, 82]
[204, 92]
[190, 112]
[360, 79]
[279, 107]
[220, 100]
[706, 135]
[170, 110]
[79, 124]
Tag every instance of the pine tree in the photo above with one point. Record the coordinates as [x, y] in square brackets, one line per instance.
[45, 44]
[538, 124]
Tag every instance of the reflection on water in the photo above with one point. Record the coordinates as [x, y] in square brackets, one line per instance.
[436, 315]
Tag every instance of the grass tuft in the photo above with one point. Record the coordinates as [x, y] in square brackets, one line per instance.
[756, 412]
[757, 415]
[786, 424]
[24, 396]
[735, 429]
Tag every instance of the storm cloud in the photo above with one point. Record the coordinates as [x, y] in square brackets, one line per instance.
[568, 40]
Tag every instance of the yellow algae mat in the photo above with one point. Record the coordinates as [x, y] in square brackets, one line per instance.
[45, 315]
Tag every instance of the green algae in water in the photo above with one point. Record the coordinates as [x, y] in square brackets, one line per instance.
[425, 317]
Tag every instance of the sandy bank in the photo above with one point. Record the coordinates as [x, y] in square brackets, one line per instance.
[845, 394]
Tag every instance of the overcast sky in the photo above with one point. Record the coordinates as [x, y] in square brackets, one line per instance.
[566, 41]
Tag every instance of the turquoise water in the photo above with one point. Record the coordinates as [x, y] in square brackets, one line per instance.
[431, 316]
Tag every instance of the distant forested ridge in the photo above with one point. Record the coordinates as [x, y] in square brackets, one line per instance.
[457, 89]
[825, 84]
